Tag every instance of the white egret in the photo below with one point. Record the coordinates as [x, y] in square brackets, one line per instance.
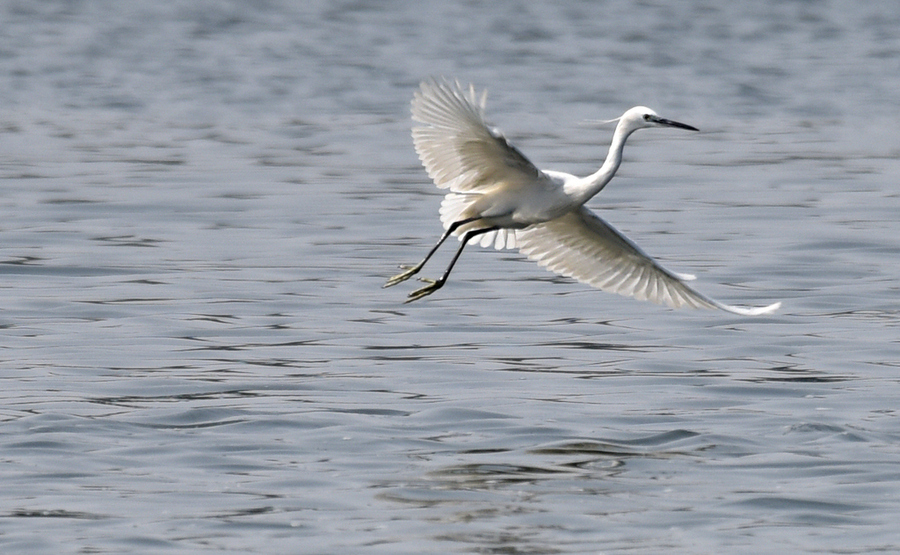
[498, 197]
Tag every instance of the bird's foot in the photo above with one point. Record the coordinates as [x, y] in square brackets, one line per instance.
[433, 285]
[410, 272]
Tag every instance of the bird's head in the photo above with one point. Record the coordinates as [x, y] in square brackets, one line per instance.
[640, 117]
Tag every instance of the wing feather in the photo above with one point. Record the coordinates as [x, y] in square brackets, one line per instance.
[582, 246]
[458, 149]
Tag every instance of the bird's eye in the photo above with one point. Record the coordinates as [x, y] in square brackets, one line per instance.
[646, 117]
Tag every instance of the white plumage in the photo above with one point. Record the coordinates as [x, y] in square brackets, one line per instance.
[499, 198]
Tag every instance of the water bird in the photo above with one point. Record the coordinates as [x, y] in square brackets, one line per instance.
[498, 197]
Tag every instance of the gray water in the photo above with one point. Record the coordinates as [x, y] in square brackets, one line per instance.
[200, 203]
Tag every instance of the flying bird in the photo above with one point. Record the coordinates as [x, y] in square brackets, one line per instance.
[498, 197]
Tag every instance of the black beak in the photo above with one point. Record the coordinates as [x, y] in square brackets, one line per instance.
[677, 124]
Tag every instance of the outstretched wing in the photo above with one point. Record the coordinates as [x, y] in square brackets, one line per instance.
[458, 149]
[581, 245]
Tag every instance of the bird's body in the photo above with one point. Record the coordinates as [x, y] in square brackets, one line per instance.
[499, 198]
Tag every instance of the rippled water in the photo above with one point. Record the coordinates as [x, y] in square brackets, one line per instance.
[201, 201]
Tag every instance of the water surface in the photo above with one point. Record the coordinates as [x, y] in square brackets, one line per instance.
[201, 202]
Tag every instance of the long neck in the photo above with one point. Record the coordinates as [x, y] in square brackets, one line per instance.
[589, 186]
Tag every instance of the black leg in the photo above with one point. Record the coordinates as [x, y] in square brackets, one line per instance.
[435, 284]
[413, 270]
